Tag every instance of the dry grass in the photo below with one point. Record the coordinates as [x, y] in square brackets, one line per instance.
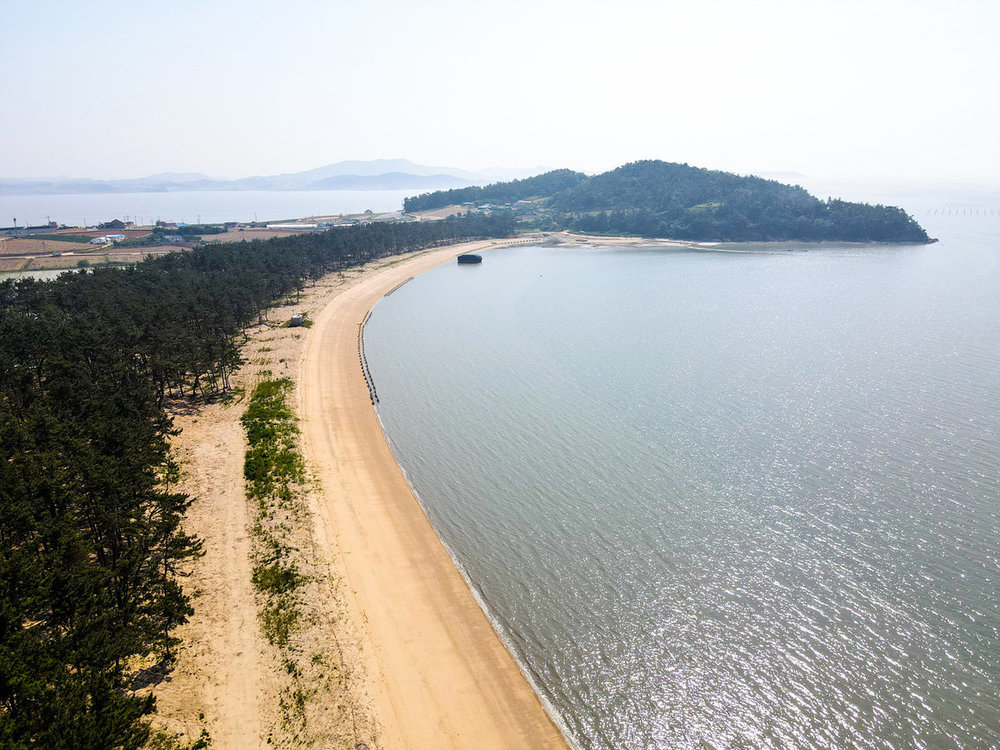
[12, 264]
[29, 246]
[235, 235]
[96, 257]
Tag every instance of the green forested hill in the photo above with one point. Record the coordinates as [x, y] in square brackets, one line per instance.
[542, 185]
[655, 198]
[661, 199]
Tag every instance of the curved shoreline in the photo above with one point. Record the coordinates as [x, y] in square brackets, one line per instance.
[439, 673]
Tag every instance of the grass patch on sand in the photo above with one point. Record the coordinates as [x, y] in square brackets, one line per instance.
[274, 472]
[275, 476]
[285, 577]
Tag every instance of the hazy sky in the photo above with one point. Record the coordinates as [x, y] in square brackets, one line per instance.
[871, 90]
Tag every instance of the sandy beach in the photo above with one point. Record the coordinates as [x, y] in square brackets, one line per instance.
[440, 676]
[411, 660]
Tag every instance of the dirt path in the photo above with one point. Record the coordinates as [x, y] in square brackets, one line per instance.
[439, 676]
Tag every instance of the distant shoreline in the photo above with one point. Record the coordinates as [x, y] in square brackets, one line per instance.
[50, 265]
[722, 246]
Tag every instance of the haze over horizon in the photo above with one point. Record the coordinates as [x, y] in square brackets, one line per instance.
[888, 91]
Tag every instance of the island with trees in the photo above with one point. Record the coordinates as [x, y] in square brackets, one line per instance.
[677, 201]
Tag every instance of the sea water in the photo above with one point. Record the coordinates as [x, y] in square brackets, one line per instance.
[721, 499]
[194, 206]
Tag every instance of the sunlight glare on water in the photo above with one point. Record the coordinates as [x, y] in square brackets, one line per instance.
[723, 500]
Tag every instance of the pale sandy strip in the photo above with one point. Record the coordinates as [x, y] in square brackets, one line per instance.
[442, 677]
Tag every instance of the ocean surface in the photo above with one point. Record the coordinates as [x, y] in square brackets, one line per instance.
[722, 500]
[194, 206]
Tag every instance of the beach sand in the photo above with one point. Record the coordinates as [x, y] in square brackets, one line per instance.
[439, 674]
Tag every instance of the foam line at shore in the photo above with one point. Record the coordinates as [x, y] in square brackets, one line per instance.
[483, 602]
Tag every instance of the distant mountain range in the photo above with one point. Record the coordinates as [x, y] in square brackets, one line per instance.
[379, 174]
